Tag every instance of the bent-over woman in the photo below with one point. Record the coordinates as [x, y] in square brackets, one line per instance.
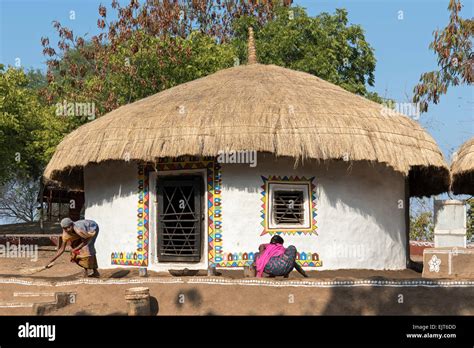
[274, 259]
[81, 235]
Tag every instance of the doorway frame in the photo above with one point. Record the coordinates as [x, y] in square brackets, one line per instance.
[154, 264]
[195, 181]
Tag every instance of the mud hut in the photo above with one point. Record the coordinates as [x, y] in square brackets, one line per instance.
[202, 173]
[462, 169]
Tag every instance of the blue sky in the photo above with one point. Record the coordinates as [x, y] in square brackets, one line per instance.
[401, 47]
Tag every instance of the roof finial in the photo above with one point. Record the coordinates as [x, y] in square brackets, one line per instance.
[252, 55]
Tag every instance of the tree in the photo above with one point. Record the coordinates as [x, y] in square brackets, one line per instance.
[18, 201]
[134, 70]
[325, 46]
[422, 227]
[29, 129]
[453, 46]
[158, 45]
[21, 115]
[149, 48]
[470, 218]
[421, 219]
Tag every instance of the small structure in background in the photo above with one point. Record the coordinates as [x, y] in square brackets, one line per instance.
[450, 258]
[449, 223]
[448, 263]
[57, 202]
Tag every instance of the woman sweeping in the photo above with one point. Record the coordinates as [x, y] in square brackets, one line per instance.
[275, 260]
[81, 235]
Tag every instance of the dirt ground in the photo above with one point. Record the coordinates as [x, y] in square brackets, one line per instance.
[231, 294]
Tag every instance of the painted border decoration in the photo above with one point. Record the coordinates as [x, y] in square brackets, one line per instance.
[287, 180]
[216, 255]
[214, 184]
[304, 259]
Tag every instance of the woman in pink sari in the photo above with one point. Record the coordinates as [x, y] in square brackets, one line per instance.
[274, 259]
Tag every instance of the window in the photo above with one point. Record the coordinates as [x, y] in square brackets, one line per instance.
[288, 205]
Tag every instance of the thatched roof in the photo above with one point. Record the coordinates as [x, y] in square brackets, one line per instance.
[462, 169]
[256, 107]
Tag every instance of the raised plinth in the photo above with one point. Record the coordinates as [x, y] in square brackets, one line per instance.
[448, 262]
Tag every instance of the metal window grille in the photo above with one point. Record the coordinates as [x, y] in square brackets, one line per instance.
[288, 207]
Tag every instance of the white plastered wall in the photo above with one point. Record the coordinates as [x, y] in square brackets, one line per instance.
[111, 196]
[359, 222]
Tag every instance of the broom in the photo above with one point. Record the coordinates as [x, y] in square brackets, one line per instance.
[37, 269]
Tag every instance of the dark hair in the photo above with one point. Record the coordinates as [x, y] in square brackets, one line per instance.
[276, 240]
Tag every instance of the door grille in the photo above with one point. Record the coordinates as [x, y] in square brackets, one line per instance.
[179, 219]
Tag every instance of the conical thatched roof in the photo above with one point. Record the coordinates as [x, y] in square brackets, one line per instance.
[462, 169]
[256, 107]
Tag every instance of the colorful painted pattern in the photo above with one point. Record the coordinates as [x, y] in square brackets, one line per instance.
[214, 184]
[305, 259]
[140, 256]
[216, 255]
[287, 180]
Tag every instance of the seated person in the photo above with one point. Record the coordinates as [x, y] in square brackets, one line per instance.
[275, 260]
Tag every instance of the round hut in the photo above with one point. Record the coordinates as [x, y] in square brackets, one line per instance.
[203, 173]
[462, 169]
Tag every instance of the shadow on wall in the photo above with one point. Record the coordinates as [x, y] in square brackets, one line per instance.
[371, 190]
[398, 301]
[116, 179]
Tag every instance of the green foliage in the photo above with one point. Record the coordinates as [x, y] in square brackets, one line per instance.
[155, 46]
[36, 80]
[422, 226]
[470, 218]
[136, 59]
[325, 46]
[29, 130]
[151, 46]
[134, 70]
[453, 47]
